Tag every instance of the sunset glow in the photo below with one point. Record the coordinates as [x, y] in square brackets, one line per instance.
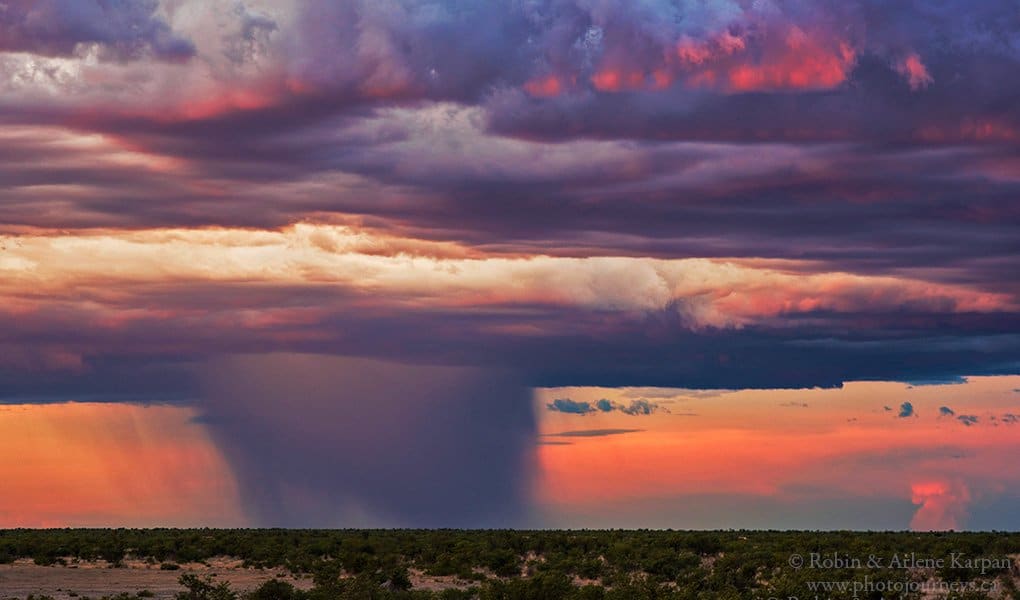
[96, 465]
[783, 447]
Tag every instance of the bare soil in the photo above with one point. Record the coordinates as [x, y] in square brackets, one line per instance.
[96, 579]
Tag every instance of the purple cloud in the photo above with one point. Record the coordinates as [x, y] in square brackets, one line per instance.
[121, 29]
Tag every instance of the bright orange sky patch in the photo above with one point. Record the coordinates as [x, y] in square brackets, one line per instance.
[769, 443]
[88, 464]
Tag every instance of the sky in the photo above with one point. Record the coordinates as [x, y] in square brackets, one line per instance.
[356, 262]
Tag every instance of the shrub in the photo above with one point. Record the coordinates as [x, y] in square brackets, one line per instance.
[204, 589]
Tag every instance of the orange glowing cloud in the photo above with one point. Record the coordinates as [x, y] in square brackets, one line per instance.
[802, 62]
[618, 79]
[402, 272]
[942, 505]
[793, 60]
[84, 464]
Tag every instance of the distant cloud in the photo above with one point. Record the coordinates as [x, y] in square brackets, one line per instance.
[936, 381]
[573, 407]
[968, 420]
[906, 410]
[945, 411]
[593, 432]
[1010, 418]
[671, 393]
[942, 505]
[566, 405]
[639, 407]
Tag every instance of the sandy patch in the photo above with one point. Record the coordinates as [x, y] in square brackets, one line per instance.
[97, 578]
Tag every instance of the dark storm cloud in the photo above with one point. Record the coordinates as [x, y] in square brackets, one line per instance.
[110, 377]
[577, 347]
[122, 29]
[874, 98]
[583, 52]
[906, 410]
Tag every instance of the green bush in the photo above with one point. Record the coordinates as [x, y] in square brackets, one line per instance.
[204, 589]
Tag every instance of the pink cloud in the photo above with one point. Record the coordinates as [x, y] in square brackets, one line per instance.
[619, 79]
[801, 60]
[916, 74]
[786, 57]
[545, 87]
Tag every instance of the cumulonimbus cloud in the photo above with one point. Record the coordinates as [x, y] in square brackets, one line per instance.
[942, 505]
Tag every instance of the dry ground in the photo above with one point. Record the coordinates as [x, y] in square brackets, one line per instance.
[98, 579]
